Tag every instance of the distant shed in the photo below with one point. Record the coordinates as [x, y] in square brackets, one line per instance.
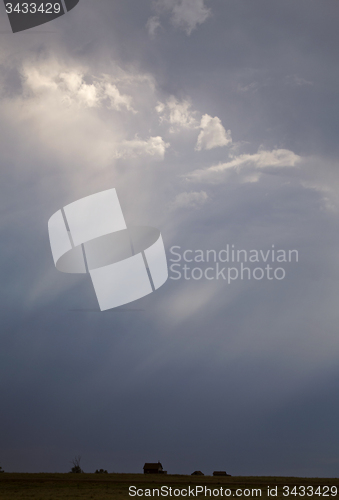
[154, 468]
[197, 473]
[220, 473]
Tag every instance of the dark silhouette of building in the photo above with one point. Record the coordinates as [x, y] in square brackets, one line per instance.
[220, 473]
[197, 473]
[154, 468]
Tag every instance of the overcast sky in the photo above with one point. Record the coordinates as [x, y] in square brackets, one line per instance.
[217, 123]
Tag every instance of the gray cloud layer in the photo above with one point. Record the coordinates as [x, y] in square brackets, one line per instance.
[217, 123]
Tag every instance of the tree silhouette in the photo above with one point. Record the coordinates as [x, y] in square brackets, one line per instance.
[76, 469]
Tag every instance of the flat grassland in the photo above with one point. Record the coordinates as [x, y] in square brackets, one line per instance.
[116, 486]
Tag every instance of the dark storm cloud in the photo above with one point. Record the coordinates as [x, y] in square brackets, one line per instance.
[205, 375]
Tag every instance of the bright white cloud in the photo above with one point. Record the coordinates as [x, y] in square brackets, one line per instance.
[70, 81]
[70, 86]
[88, 94]
[118, 101]
[67, 86]
[189, 200]
[212, 134]
[40, 79]
[154, 146]
[260, 160]
[178, 114]
[186, 14]
[90, 122]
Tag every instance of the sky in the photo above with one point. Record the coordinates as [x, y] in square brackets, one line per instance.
[217, 123]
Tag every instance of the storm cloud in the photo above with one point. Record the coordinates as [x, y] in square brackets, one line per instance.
[216, 121]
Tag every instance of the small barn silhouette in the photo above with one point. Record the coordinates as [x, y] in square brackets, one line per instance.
[154, 468]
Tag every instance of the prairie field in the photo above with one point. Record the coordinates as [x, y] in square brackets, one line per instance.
[18, 486]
